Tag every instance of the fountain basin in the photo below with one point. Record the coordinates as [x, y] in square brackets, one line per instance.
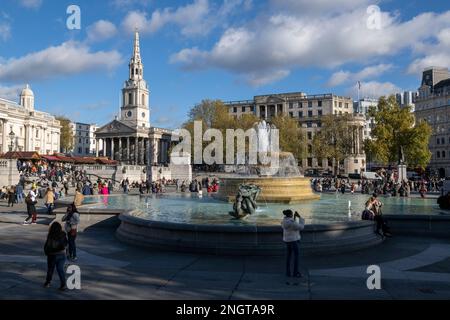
[250, 240]
[286, 190]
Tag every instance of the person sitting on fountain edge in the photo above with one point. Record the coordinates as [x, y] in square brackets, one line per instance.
[291, 236]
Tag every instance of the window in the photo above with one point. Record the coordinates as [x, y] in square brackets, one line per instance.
[330, 162]
[309, 135]
[309, 162]
[319, 113]
[79, 150]
[291, 105]
[443, 141]
[319, 124]
[438, 154]
[438, 141]
[319, 103]
[79, 141]
[309, 104]
[252, 109]
[310, 114]
[37, 133]
[130, 98]
[340, 104]
[346, 106]
[309, 124]
[234, 109]
[443, 154]
[143, 99]
[355, 161]
[87, 150]
[291, 114]
[300, 114]
[87, 140]
[309, 148]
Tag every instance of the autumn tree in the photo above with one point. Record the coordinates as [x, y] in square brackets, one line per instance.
[66, 136]
[395, 129]
[333, 141]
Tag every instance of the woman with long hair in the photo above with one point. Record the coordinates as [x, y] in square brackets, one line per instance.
[72, 219]
[55, 249]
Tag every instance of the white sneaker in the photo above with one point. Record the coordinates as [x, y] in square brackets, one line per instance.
[25, 223]
[33, 223]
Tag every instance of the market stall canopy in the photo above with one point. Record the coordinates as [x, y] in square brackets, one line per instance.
[22, 155]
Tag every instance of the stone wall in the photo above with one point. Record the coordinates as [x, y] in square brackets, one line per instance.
[9, 175]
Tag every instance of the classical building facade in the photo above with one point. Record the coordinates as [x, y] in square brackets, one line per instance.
[25, 129]
[84, 143]
[433, 106]
[308, 110]
[130, 138]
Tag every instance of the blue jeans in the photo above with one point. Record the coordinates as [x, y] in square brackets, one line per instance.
[56, 260]
[292, 248]
[72, 245]
[49, 208]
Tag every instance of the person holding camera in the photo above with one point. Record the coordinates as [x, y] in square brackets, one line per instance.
[292, 224]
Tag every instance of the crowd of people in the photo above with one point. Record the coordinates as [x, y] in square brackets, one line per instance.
[386, 185]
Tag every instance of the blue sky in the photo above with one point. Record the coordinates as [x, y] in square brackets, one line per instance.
[225, 49]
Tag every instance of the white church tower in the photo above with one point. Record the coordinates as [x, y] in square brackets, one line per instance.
[135, 110]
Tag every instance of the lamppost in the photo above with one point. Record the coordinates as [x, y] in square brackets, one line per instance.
[12, 135]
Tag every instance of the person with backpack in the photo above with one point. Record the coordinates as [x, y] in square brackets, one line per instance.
[72, 219]
[49, 200]
[31, 202]
[291, 236]
[11, 196]
[55, 248]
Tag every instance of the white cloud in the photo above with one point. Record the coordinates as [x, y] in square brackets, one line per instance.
[374, 89]
[342, 76]
[5, 31]
[198, 18]
[437, 54]
[261, 79]
[319, 6]
[284, 41]
[31, 4]
[101, 30]
[11, 93]
[188, 18]
[66, 59]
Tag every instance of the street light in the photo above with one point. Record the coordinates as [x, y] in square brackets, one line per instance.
[12, 135]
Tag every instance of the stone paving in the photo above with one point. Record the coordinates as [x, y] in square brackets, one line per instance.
[411, 268]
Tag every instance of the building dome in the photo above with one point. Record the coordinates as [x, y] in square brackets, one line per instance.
[27, 91]
[27, 98]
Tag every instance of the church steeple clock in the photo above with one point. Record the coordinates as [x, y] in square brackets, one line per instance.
[135, 110]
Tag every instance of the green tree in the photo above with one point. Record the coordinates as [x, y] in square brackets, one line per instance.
[66, 136]
[333, 140]
[292, 136]
[396, 129]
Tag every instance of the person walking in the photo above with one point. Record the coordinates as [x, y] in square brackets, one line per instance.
[19, 193]
[72, 219]
[79, 198]
[49, 199]
[31, 202]
[291, 236]
[55, 248]
[11, 196]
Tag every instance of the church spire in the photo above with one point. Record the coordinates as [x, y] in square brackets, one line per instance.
[136, 66]
[137, 51]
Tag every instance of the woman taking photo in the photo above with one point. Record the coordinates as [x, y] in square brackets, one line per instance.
[291, 236]
[55, 250]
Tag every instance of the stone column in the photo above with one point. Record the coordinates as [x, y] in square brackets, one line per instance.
[96, 147]
[141, 152]
[147, 152]
[44, 140]
[120, 150]
[112, 148]
[128, 150]
[136, 147]
[4, 135]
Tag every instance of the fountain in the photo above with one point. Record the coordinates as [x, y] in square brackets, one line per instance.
[280, 183]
